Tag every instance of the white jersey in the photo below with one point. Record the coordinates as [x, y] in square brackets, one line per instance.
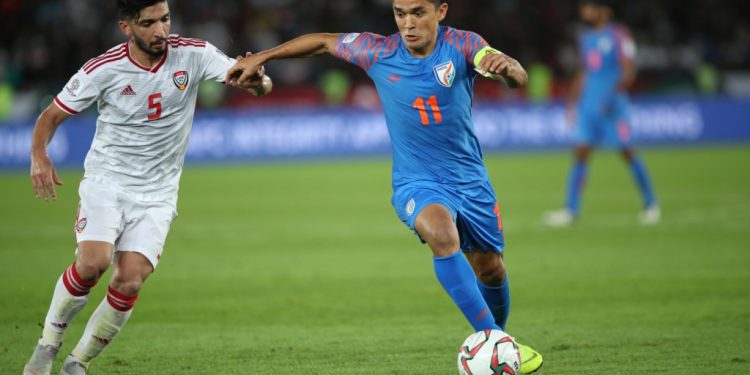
[145, 114]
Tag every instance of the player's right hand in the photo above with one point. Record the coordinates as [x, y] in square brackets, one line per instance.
[44, 177]
[244, 71]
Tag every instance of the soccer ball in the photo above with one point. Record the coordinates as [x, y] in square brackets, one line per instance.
[489, 352]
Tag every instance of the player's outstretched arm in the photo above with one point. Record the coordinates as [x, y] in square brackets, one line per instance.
[259, 84]
[43, 174]
[497, 65]
[306, 45]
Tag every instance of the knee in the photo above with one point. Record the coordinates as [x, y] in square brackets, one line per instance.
[444, 242]
[581, 154]
[628, 154]
[126, 284]
[493, 274]
[91, 269]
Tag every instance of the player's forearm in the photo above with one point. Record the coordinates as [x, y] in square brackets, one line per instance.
[516, 75]
[44, 130]
[575, 88]
[304, 46]
[628, 77]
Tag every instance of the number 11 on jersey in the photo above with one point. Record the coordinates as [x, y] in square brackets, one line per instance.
[419, 104]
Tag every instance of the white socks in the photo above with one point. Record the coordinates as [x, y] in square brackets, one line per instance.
[70, 296]
[111, 315]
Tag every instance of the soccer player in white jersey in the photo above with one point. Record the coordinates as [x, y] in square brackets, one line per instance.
[145, 90]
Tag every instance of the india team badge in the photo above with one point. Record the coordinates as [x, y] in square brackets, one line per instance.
[180, 79]
[445, 73]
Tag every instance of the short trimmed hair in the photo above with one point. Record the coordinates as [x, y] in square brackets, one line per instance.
[438, 2]
[130, 9]
[601, 3]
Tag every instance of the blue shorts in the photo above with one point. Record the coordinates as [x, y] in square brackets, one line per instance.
[610, 130]
[475, 211]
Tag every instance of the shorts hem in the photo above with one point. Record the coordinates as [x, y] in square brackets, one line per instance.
[94, 237]
[151, 258]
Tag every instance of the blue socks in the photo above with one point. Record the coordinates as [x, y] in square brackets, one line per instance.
[576, 180]
[638, 168]
[498, 299]
[458, 279]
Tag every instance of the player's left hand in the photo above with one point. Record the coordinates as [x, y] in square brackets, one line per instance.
[495, 63]
[505, 66]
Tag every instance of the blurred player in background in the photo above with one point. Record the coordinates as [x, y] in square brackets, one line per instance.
[599, 107]
[425, 78]
[145, 90]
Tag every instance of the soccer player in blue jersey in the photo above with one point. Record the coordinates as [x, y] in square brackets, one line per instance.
[425, 75]
[599, 107]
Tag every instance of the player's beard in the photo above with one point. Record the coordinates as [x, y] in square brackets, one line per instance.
[146, 47]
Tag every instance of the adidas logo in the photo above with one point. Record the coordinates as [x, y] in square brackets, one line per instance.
[127, 91]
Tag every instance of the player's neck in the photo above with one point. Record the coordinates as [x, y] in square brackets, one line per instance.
[424, 52]
[141, 57]
[601, 25]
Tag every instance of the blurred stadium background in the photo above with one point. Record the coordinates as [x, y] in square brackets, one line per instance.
[302, 266]
[698, 47]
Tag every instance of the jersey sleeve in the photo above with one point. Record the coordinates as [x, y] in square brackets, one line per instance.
[361, 49]
[468, 43]
[625, 45]
[215, 64]
[78, 94]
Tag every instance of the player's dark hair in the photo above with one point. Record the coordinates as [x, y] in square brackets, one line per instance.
[438, 2]
[130, 9]
[605, 3]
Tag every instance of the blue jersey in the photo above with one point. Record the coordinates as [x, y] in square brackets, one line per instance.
[427, 104]
[602, 53]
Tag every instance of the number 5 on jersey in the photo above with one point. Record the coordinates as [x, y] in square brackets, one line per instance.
[419, 104]
[154, 103]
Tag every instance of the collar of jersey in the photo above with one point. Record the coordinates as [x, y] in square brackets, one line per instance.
[152, 70]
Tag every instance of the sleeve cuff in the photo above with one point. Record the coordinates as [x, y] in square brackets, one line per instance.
[64, 107]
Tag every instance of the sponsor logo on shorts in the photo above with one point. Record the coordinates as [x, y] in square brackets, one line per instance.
[81, 225]
[410, 207]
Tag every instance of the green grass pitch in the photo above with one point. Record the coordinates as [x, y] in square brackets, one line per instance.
[304, 268]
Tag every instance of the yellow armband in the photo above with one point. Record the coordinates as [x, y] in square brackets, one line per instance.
[478, 58]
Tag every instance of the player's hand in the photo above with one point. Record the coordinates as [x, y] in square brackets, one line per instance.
[495, 63]
[259, 84]
[245, 72]
[44, 177]
[505, 66]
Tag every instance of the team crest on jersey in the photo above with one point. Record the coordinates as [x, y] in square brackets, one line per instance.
[180, 79]
[445, 73]
[81, 225]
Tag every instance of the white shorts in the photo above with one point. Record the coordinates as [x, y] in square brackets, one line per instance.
[108, 214]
